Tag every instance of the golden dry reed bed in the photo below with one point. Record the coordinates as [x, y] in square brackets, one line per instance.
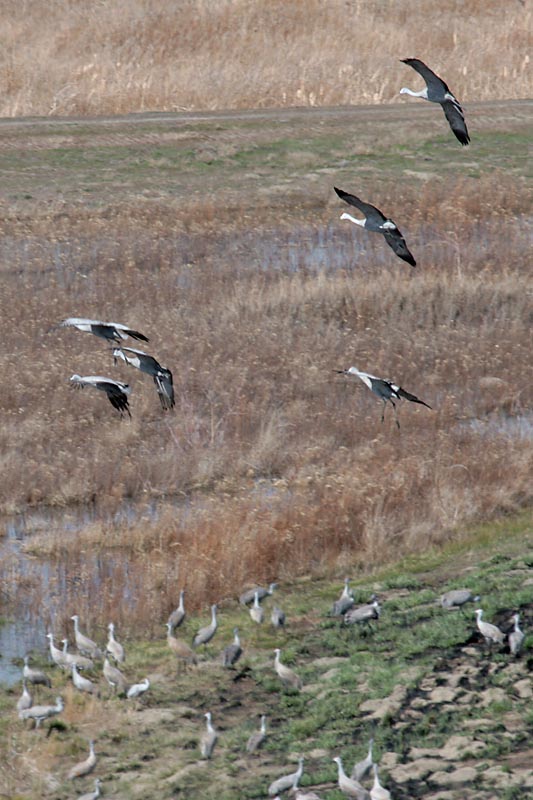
[275, 465]
[74, 57]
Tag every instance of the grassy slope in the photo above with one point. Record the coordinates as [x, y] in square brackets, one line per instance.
[425, 668]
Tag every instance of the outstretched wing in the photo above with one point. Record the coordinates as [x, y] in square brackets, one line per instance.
[367, 209]
[429, 76]
[165, 388]
[117, 396]
[395, 240]
[128, 331]
[456, 119]
[408, 396]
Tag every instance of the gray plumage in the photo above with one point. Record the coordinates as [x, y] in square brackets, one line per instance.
[286, 674]
[58, 656]
[436, 91]
[209, 739]
[205, 635]
[110, 331]
[92, 795]
[178, 615]
[348, 786]
[25, 700]
[387, 391]
[375, 221]
[248, 597]
[257, 612]
[257, 738]
[491, 633]
[40, 713]
[114, 648]
[378, 792]
[516, 637]
[362, 768]
[114, 677]
[82, 683]
[287, 781]
[116, 391]
[81, 662]
[162, 376]
[365, 613]
[83, 643]
[277, 617]
[84, 767]
[345, 601]
[34, 676]
[232, 653]
[456, 598]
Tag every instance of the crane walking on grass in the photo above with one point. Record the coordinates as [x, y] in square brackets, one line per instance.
[145, 363]
[386, 390]
[374, 220]
[117, 392]
[287, 781]
[436, 91]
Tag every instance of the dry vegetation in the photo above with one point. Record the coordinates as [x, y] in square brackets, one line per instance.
[73, 57]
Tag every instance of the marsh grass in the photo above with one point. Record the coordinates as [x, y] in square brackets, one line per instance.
[133, 55]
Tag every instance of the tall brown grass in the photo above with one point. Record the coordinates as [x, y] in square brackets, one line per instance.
[271, 465]
[73, 57]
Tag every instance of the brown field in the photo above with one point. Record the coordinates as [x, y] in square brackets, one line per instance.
[73, 57]
[219, 237]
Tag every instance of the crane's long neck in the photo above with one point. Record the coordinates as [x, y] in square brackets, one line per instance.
[422, 93]
[180, 607]
[263, 724]
[360, 222]
[213, 616]
[236, 639]
[342, 773]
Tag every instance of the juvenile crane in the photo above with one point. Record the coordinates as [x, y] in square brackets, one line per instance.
[84, 767]
[209, 739]
[205, 635]
[83, 643]
[287, 676]
[287, 781]
[111, 331]
[387, 391]
[114, 648]
[145, 363]
[178, 615]
[116, 391]
[374, 220]
[436, 91]
[491, 633]
[256, 739]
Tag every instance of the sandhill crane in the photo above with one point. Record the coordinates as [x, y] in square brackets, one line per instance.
[81, 662]
[257, 612]
[436, 91]
[456, 598]
[84, 767]
[386, 390]
[205, 635]
[209, 738]
[287, 675]
[348, 786]
[114, 677]
[83, 643]
[345, 601]
[491, 633]
[111, 331]
[40, 713]
[232, 653]
[82, 683]
[145, 363]
[301, 794]
[378, 792]
[92, 795]
[516, 637]
[181, 649]
[277, 617]
[138, 688]
[117, 392]
[365, 613]
[248, 597]
[374, 220]
[34, 676]
[287, 781]
[25, 700]
[178, 615]
[362, 768]
[114, 648]
[257, 738]
[58, 656]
